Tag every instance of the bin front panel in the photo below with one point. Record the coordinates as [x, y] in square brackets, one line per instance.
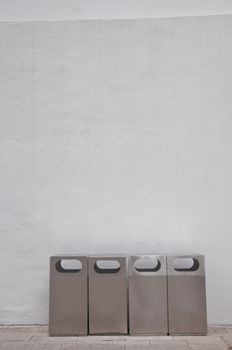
[148, 297]
[68, 298]
[187, 297]
[108, 298]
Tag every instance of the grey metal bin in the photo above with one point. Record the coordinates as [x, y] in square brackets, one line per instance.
[148, 295]
[187, 294]
[68, 308]
[108, 295]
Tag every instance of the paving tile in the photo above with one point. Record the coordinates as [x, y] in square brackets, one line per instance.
[207, 343]
[147, 338]
[198, 339]
[178, 345]
[161, 338]
[208, 347]
[138, 340]
[37, 338]
[158, 345]
[102, 338]
[14, 333]
[207, 340]
[46, 339]
[220, 330]
[21, 345]
[141, 339]
[40, 330]
[89, 346]
[139, 346]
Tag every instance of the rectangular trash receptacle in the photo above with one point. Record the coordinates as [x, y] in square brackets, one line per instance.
[68, 295]
[108, 295]
[187, 294]
[148, 295]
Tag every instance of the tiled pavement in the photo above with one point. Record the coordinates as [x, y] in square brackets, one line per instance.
[36, 338]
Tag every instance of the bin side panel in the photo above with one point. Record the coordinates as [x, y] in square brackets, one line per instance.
[148, 305]
[187, 305]
[68, 305]
[108, 305]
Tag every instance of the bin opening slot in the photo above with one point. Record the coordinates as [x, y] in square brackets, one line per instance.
[147, 264]
[68, 265]
[186, 264]
[107, 266]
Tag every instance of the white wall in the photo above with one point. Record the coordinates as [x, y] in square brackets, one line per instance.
[50, 10]
[115, 136]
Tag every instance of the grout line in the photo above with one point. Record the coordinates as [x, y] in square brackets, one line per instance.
[30, 338]
[228, 345]
[87, 297]
[128, 295]
[168, 321]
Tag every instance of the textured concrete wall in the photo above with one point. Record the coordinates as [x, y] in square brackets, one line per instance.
[115, 136]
